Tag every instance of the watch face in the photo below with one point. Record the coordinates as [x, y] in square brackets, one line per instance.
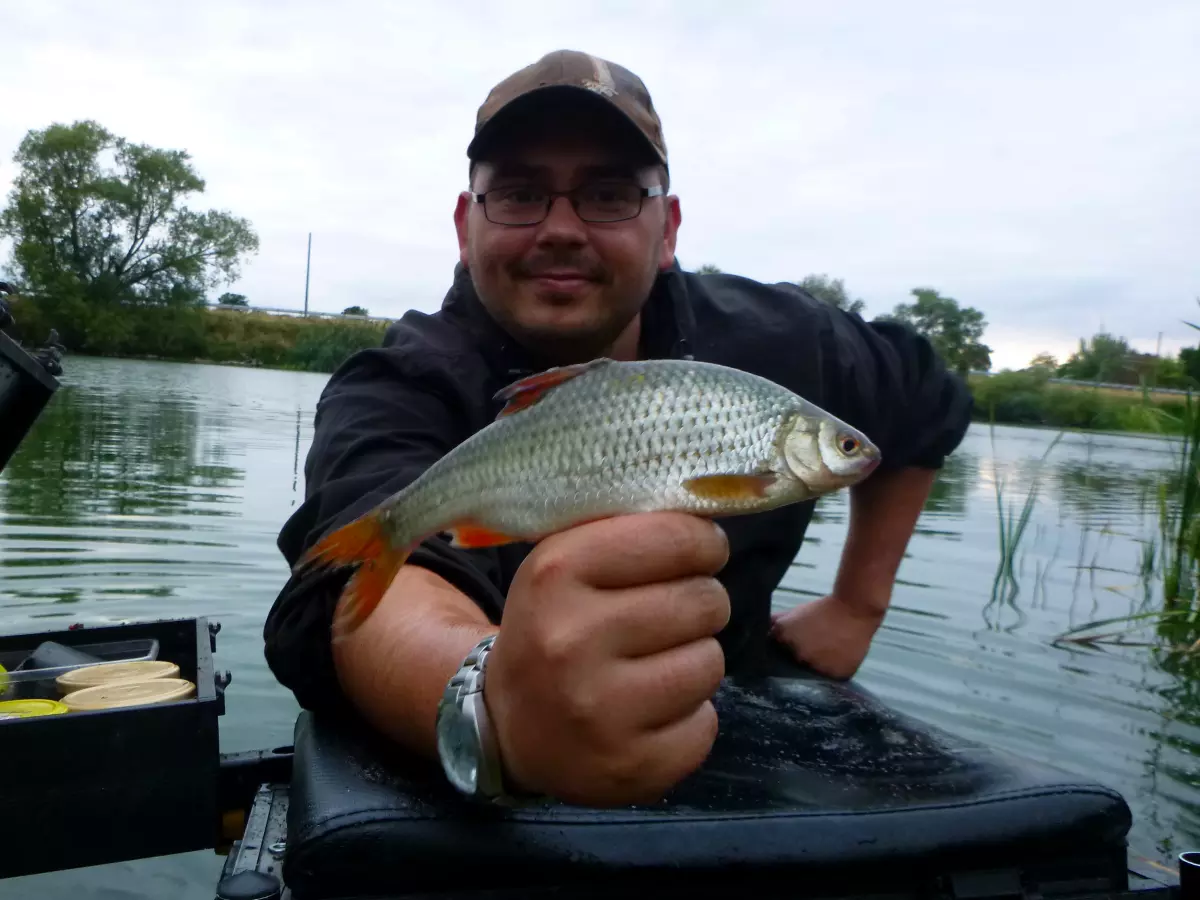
[460, 750]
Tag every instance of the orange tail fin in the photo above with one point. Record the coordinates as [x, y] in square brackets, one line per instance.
[362, 543]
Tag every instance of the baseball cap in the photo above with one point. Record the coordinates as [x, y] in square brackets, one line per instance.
[569, 75]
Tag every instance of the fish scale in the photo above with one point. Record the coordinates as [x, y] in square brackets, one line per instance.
[600, 439]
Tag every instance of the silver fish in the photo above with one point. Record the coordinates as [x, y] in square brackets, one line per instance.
[599, 439]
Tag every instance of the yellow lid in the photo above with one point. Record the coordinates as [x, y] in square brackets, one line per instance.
[110, 673]
[31, 707]
[129, 693]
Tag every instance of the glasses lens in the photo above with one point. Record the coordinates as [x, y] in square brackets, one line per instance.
[519, 205]
[528, 205]
[609, 201]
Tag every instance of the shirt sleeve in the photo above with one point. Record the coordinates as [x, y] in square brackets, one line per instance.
[890, 382]
[377, 428]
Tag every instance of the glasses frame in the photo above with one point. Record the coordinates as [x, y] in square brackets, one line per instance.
[480, 197]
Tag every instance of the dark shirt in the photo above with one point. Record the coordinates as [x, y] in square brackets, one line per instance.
[389, 412]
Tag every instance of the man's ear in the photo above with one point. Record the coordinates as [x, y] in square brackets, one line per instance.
[461, 210]
[674, 216]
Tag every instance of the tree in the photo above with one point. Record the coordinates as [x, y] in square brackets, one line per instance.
[954, 330]
[708, 269]
[832, 291]
[1103, 358]
[117, 233]
[228, 299]
[1189, 359]
[1044, 362]
[355, 311]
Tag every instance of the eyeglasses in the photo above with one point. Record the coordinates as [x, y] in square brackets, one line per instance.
[598, 202]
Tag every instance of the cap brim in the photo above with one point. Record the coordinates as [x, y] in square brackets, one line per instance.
[535, 105]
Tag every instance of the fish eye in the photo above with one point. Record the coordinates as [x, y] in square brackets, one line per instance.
[848, 444]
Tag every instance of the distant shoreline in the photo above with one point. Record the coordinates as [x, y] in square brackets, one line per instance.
[258, 340]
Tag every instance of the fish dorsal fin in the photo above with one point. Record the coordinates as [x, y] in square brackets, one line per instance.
[524, 393]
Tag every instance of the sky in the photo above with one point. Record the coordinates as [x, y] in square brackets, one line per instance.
[1037, 161]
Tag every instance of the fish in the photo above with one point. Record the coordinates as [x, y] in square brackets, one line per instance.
[587, 441]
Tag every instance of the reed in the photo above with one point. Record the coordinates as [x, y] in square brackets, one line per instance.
[1169, 558]
[1012, 525]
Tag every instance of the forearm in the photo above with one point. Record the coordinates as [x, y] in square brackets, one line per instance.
[395, 667]
[883, 513]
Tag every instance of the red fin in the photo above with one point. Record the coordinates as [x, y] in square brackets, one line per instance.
[729, 487]
[362, 543]
[470, 535]
[528, 391]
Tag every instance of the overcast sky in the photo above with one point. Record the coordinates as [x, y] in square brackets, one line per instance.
[1037, 160]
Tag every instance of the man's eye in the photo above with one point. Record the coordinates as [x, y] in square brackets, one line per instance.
[610, 193]
[519, 195]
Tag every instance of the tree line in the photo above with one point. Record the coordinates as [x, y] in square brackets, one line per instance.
[954, 330]
[107, 244]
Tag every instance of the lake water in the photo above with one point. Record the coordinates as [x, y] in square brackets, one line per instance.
[154, 489]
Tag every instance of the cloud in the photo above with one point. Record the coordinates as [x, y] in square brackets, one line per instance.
[1037, 161]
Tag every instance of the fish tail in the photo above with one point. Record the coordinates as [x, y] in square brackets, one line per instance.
[365, 544]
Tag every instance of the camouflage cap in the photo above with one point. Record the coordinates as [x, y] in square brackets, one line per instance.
[571, 73]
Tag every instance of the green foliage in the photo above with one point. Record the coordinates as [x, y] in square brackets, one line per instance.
[115, 234]
[355, 311]
[325, 348]
[1027, 397]
[1103, 358]
[190, 333]
[708, 269]
[832, 291]
[1109, 359]
[1189, 361]
[1044, 362]
[953, 330]
[228, 299]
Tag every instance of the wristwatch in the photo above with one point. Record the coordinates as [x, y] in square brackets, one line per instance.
[466, 743]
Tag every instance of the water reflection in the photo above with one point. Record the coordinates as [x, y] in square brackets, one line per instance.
[117, 455]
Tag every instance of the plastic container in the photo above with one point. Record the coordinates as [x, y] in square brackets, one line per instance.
[24, 682]
[23, 709]
[129, 693]
[117, 783]
[115, 673]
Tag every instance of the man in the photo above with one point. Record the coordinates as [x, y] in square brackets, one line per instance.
[610, 638]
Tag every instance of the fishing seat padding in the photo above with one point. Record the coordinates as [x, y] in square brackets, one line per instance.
[813, 787]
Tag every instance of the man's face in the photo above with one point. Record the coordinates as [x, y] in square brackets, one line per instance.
[565, 287]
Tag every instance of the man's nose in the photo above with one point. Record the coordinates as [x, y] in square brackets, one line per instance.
[562, 224]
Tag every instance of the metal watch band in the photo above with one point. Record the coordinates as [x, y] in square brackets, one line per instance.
[464, 695]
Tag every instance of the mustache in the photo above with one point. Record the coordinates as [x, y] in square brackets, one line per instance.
[558, 259]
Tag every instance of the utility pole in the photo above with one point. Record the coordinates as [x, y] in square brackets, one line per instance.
[307, 268]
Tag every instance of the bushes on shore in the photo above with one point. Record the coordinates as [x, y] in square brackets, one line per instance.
[190, 333]
[1029, 398]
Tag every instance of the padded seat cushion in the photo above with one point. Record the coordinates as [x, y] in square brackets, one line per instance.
[808, 778]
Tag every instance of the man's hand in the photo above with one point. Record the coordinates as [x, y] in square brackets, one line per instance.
[601, 678]
[831, 635]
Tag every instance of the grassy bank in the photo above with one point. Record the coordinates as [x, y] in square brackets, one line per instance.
[245, 337]
[1028, 398]
[190, 334]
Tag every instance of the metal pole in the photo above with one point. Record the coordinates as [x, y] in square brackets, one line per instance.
[307, 268]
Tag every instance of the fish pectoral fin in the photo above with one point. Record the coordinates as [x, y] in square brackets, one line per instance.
[730, 487]
[472, 535]
[528, 391]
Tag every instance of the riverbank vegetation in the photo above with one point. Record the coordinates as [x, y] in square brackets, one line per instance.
[111, 253]
[190, 333]
[1029, 397]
